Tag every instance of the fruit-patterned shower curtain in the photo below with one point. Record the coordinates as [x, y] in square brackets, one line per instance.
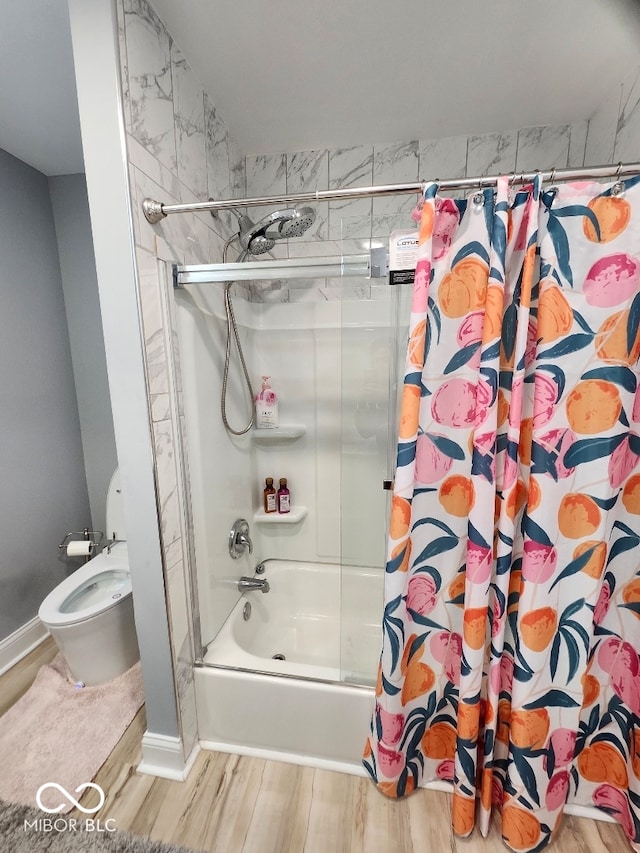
[511, 625]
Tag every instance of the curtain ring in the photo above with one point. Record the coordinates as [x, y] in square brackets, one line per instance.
[618, 187]
[478, 198]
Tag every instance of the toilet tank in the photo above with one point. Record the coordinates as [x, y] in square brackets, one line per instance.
[115, 510]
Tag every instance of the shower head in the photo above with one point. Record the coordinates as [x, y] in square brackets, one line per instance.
[252, 237]
[261, 237]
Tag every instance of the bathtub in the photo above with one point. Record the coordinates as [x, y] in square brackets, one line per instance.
[296, 709]
[294, 706]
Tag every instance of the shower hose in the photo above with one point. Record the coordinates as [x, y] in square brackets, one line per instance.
[233, 328]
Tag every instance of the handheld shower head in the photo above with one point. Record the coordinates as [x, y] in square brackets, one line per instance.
[261, 237]
[252, 237]
[291, 223]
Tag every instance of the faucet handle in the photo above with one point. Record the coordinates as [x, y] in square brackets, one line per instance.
[239, 539]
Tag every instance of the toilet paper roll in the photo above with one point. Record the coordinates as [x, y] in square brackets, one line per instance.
[79, 548]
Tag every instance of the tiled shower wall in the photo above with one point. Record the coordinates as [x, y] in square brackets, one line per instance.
[179, 150]
[611, 135]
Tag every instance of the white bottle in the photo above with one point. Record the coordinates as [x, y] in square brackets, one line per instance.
[266, 406]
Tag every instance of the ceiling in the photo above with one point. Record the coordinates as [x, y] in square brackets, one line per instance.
[288, 75]
[38, 103]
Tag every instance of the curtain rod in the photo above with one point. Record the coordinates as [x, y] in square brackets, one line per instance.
[155, 211]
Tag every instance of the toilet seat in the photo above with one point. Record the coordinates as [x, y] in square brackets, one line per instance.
[99, 585]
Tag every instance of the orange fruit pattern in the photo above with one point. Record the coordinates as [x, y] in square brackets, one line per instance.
[403, 548]
[631, 495]
[503, 727]
[416, 344]
[601, 762]
[419, 678]
[535, 495]
[410, 411]
[439, 741]
[426, 223]
[555, 317]
[464, 289]
[520, 829]
[475, 626]
[613, 214]
[517, 499]
[400, 517]
[526, 437]
[611, 341]
[578, 516]
[631, 593]
[635, 752]
[493, 308]
[530, 729]
[538, 628]
[595, 567]
[463, 814]
[457, 495]
[591, 689]
[468, 721]
[593, 406]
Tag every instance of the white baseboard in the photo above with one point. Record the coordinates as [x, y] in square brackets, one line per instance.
[17, 645]
[162, 756]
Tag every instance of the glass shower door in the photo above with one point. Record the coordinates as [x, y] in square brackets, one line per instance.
[373, 348]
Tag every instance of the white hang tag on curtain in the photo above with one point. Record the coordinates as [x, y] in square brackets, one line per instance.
[403, 256]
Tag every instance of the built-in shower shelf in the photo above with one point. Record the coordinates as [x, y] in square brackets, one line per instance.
[296, 514]
[287, 432]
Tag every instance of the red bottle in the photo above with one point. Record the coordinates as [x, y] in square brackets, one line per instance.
[270, 498]
[284, 497]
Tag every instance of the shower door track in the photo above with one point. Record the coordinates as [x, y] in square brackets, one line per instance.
[371, 265]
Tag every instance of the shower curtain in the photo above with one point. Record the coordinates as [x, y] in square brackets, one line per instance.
[511, 624]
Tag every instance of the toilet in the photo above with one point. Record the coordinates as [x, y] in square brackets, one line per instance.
[90, 613]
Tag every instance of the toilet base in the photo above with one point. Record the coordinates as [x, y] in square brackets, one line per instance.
[102, 647]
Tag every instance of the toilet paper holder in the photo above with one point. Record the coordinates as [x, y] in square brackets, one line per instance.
[92, 537]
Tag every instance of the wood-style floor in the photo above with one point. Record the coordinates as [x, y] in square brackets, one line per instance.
[236, 804]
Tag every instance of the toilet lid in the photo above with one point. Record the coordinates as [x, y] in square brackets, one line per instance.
[99, 585]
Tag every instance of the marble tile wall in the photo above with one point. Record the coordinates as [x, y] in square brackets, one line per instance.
[353, 225]
[179, 150]
[608, 136]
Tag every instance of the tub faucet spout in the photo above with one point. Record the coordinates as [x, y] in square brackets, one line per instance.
[246, 584]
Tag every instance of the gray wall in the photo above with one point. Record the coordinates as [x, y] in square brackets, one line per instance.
[82, 305]
[43, 492]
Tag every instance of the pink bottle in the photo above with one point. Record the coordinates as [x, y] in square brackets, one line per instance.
[284, 497]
